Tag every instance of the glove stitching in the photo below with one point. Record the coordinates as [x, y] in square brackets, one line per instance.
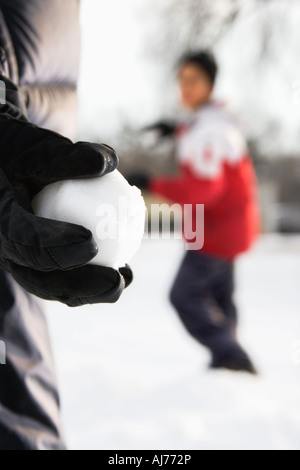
[53, 257]
[36, 263]
[35, 259]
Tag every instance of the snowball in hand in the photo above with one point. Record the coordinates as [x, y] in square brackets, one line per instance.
[108, 206]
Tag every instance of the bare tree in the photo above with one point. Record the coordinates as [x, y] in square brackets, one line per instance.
[181, 25]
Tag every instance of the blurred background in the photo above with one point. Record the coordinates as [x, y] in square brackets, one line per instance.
[128, 80]
[131, 377]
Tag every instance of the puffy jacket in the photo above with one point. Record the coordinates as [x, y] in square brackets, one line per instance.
[34, 35]
[215, 169]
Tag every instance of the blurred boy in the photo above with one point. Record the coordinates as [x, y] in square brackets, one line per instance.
[215, 169]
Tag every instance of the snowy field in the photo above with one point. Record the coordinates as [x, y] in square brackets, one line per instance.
[131, 378]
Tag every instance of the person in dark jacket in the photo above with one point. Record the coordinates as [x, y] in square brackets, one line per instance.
[216, 170]
[39, 62]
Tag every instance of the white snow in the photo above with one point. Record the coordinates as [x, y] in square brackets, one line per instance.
[131, 378]
[108, 206]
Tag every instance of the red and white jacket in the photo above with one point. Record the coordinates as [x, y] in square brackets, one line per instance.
[216, 170]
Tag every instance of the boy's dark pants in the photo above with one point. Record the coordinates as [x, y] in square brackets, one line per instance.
[203, 297]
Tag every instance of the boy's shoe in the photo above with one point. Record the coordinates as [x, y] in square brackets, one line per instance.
[235, 363]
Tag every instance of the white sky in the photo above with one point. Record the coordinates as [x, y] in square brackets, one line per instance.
[115, 85]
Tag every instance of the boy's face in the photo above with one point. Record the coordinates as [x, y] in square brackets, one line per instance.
[195, 86]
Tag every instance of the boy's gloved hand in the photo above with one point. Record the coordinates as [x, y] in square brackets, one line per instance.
[46, 257]
[163, 128]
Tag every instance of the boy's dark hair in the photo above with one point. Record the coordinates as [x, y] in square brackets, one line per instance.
[204, 60]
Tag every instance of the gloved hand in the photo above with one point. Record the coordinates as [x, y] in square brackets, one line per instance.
[46, 257]
[163, 128]
[139, 180]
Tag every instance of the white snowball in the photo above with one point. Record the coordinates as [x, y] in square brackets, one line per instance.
[108, 206]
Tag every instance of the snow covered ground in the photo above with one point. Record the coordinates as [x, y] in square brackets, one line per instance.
[131, 378]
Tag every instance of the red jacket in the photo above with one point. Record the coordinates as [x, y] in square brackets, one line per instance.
[215, 169]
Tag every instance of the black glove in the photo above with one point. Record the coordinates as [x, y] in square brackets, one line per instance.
[139, 180]
[46, 257]
[163, 128]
